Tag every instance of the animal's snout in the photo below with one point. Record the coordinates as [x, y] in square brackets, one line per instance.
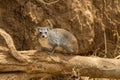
[43, 36]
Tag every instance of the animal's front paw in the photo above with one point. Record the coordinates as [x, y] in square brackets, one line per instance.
[50, 53]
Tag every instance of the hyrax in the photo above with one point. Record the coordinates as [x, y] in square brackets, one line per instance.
[59, 38]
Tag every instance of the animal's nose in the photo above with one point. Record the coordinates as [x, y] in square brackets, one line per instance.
[43, 36]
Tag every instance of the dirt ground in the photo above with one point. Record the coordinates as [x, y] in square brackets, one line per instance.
[95, 23]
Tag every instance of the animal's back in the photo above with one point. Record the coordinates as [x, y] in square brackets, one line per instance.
[64, 39]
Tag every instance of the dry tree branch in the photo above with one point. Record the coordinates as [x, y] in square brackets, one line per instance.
[42, 1]
[104, 34]
[59, 64]
[11, 46]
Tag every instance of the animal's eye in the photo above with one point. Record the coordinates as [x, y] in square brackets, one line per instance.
[40, 32]
[45, 32]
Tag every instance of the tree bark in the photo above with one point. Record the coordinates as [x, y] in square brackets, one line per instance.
[42, 63]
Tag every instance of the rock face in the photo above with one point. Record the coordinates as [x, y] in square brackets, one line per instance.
[93, 22]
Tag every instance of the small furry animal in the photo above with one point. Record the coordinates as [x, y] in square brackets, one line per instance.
[11, 46]
[59, 38]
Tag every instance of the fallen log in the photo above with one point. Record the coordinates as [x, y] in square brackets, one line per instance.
[61, 64]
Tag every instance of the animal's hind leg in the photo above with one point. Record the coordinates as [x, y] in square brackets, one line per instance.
[68, 49]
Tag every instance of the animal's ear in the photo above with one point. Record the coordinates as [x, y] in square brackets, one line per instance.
[48, 28]
[38, 29]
